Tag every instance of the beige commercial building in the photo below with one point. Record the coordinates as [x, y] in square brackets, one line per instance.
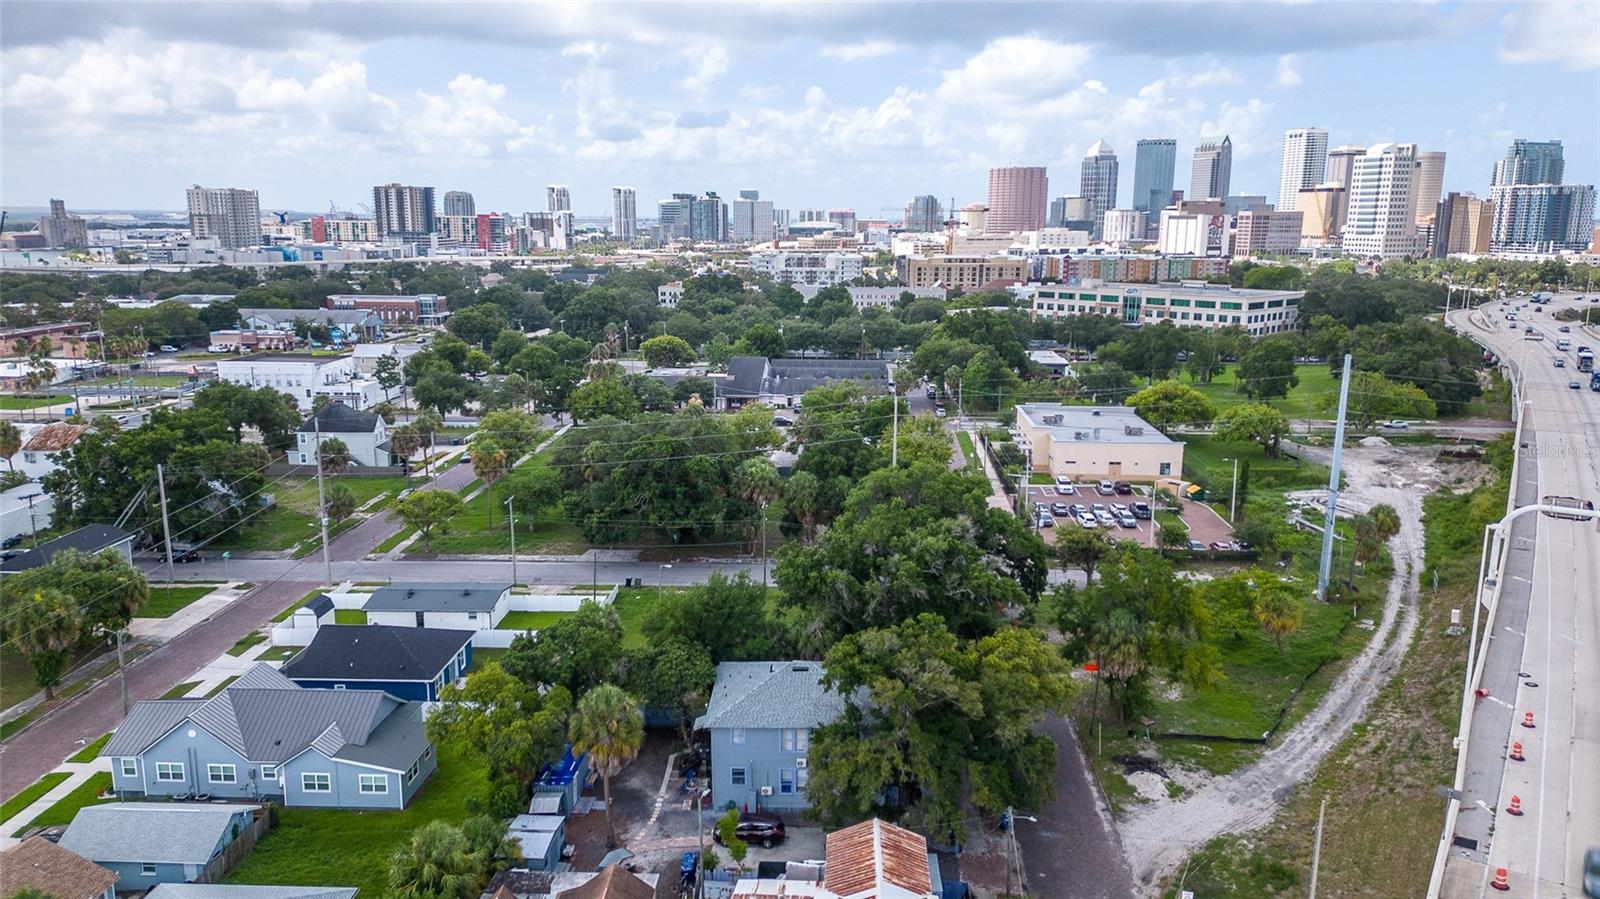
[1097, 442]
[1322, 214]
[964, 272]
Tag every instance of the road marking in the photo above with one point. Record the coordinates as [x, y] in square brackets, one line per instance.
[1498, 701]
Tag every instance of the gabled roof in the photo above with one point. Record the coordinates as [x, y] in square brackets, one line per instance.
[770, 694]
[459, 597]
[877, 860]
[265, 717]
[753, 376]
[91, 538]
[377, 652]
[245, 891]
[38, 864]
[337, 418]
[54, 437]
[615, 882]
[182, 833]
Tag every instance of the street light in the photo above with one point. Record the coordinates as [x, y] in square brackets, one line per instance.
[511, 516]
[1233, 496]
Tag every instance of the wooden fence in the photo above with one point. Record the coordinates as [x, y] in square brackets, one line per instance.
[234, 852]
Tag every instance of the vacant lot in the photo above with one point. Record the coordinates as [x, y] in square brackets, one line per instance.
[1314, 382]
[164, 601]
[293, 517]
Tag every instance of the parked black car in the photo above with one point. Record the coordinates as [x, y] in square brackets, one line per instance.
[11, 541]
[1123, 487]
[760, 828]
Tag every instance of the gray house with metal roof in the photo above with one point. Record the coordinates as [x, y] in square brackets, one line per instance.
[265, 737]
[246, 891]
[466, 606]
[782, 382]
[147, 843]
[760, 716]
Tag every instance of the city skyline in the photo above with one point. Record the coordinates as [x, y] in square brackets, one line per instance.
[878, 106]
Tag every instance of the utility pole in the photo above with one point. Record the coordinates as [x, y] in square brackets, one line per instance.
[894, 443]
[122, 673]
[700, 830]
[763, 523]
[166, 528]
[511, 516]
[1316, 848]
[322, 503]
[1011, 844]
[1329, 520]
[1233, 497]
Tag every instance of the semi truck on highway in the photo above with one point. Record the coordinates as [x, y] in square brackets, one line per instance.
[1585, 359]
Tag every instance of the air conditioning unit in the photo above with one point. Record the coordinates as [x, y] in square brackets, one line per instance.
[766, 791]
[800, 762]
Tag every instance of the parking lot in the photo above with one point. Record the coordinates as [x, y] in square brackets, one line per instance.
[1202, 520]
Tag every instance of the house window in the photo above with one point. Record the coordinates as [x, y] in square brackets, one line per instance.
[316, 783]
[374, 783]
[796, 739]
[786, 781]
[148, 869]
[130, 767]
[411, 773]
[427, 753]
[1166, 468]
[736, 776]
[221, 774]
[169, 772]
[269, 772]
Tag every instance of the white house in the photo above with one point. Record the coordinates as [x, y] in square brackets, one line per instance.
[364, 434]
[668, 294]
[24, 509]
[459, 606]
[305, 377]
[368, 354]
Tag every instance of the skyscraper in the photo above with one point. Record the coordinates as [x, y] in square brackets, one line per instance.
[750, 218]
[673, 216]
[403, 211]
[1213, 167]
[1304, 164]
[1058, 213]
[1097, 180]
[1322, 214]
[924, 214]
[229, 214]
[1154, 162]
[1530, 162]
[1016, 199]
[709, 218]
[459, 202]
[624, 213]
[1461, 224]
[1430, 184]
[844, 218]
[1341, 164]
[1380, 219]
[557, 198]
[1542, 218]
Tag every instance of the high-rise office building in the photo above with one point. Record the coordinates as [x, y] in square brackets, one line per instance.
[1530, 162]
[1380, 219]
[750, 218]
[1154, 162]
[709, 219]
[673, 217]
[624, 213]
[1057, 216]
[1430, 184]
[1213, 167]
[924, 214]
[1016, 199]
[1462, 224]
[557, 198]
[1097, 180]
[459, 202]
[59, 229]
[1541, 218]
[403, 211]
[1322, 214]
[844, 218]
[229, 214]
[1304, 164]
[1341, 164]
[812, 215]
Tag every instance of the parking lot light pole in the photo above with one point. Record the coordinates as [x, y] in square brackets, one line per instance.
[1233, 496]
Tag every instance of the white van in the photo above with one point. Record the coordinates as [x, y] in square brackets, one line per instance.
[1563, 343]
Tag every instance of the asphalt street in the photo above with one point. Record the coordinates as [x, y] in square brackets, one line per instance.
[1544, 650]
[1072, 850]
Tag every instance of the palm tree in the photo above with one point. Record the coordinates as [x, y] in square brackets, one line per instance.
[341, 503]
[1386, 519]
[44, 627]
[1278, 613]
[489, 462]
[607, 725]
[10, 442]
[757, 481]
[435, 864]
[333, 455]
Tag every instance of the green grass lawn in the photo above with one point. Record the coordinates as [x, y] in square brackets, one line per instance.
[1314, 381]
[16, 675]
[88, 793]
[245, 642]
[297, 851]
[482, 657]
[164, 601]
[1205, 462]
[529, 621]
[969, 451]
[220, 687]
[278, 654]
[180, 690]
[293, 517]
[349, 616]
[31, 794]
[89, 752]
[14, 402]
[482, 528]
[634, 605]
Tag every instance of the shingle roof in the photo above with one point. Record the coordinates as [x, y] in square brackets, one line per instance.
[91, 538]
[337, 418]
[245, 891]
[39, 864]
[53, 437]
[319, 605]
[460, 597]
[377, 652]
[877, 859]
[615, 882]
[183, 833]
[751, 376]
[770, 694]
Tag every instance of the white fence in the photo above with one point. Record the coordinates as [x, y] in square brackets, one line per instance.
[558, 602]
[286, 634]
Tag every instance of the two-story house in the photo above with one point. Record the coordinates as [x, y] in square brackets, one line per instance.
[364, 434]
[760, 716]
[412, 663]
[265, 737]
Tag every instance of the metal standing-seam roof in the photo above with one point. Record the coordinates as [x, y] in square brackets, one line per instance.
[770, 694]
[179, 833]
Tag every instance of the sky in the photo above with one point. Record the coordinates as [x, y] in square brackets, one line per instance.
[122, 105]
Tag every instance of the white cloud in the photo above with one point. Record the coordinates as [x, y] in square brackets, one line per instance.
[861, 50]
[1559, 31]
[1014, 69]
[1289, 72]
[710, 64]
[1244, 123]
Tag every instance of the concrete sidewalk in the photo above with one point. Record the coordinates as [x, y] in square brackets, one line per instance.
[77, 773]
[163, 629]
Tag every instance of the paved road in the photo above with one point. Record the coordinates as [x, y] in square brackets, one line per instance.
[1072, 851]
[27, 756]
[1544, 652]
[365, 537]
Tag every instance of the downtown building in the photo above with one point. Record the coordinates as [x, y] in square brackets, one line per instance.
[751, 219]
[1380, 216]
[924, 214]
[1342, 164]
[1531, 162]
[823, 268]
[229, 215]
[1154, 163]
[459, 202]
[1212, 171]
[1304, 164]
[1193, 304]
[403, 212]
[68, 232]
[1542, 218]
[1122, 226]
[1462, 224]
[963, 272]
[1274, 231]
[1097, 181]
[1017, 196]
[1321, 211]
[624, 213]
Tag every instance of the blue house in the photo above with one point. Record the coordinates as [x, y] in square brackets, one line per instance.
[760, 716]
[265, 737]
[147, 843]
[411, 663]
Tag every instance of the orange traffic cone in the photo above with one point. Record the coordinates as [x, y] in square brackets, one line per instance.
[1501, 882]
[1527, 719]
[1516, 752]
[1515, 808]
